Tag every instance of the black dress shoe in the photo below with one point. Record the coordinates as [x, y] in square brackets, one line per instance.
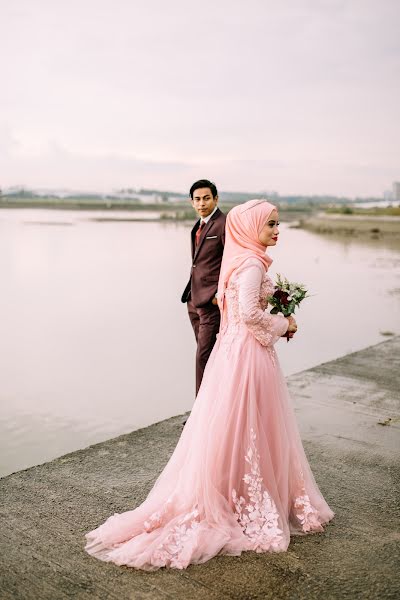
[184, 420]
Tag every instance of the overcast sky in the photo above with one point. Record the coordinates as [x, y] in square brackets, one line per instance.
[297, 96]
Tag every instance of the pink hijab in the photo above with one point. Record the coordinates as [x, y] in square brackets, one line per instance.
[243, 224]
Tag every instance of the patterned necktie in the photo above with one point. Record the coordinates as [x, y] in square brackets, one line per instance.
[198, 232]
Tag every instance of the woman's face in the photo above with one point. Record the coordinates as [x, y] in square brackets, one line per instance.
[268, 235]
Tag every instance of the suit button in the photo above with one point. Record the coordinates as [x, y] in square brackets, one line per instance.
[193, 265]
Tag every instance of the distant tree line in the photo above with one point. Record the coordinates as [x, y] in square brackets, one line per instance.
[225, 197]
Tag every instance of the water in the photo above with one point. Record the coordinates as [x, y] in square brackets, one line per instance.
[94, 340]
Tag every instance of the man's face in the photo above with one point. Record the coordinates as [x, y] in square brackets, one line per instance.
[203, 202]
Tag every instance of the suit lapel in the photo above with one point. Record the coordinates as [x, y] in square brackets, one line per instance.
[193, 236]
[203, 236]
[206, 229]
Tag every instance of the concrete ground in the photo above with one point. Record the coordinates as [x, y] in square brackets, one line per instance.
[349, 417]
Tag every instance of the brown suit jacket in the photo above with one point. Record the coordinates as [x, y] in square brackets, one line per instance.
[206, 261]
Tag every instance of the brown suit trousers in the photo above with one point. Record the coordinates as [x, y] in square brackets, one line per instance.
[202, 287]
[205, 322]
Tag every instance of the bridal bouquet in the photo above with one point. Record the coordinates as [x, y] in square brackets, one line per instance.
[287, 297]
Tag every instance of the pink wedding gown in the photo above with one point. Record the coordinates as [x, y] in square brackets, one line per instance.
[238, 478]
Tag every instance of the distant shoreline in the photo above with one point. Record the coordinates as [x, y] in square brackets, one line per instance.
[178, 211]
[361, 224]
[83, 204]
[373, 226]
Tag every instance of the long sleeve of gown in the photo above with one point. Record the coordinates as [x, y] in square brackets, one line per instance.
[266, 328]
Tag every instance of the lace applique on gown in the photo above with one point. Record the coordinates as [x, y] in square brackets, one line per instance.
[246, 298]
[238, 478]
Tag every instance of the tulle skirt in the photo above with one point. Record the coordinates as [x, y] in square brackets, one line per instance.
[238, 478]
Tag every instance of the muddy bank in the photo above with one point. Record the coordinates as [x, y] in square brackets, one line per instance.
[368, 226]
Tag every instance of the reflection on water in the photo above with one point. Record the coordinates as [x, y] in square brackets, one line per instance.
[95, 342]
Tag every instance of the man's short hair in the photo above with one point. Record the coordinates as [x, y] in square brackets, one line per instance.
[204, 183]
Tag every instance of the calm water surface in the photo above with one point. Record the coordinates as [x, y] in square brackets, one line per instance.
[95, 342]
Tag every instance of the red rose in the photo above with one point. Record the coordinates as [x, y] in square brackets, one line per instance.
[282, 297]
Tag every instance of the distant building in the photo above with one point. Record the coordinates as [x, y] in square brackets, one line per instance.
[396, 191]
[144, 198]
[388, 195]
[178, 198]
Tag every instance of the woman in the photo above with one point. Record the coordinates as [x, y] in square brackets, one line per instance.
[238, 478]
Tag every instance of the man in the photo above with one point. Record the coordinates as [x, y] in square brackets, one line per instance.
[208, 239]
